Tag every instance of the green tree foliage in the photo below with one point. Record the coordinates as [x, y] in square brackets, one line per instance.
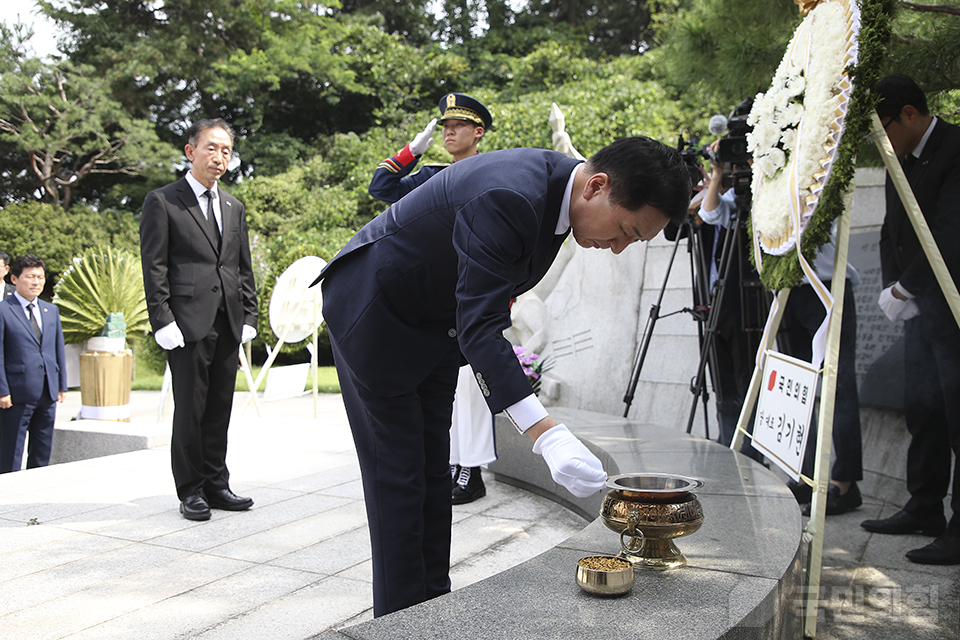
[610, 27]
[411, 20]
[57, 235]
[725, 51]
[60, 121]
[926, 46]
[327, 77]
[160, 57]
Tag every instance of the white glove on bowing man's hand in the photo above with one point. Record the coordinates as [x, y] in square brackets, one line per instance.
[571, 463]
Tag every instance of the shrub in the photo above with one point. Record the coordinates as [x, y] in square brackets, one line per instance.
[101, 282]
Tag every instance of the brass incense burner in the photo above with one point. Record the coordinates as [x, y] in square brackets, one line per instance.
[649, 510]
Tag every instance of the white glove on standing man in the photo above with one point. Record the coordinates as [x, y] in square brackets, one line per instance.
[423, 140]
[571, 463]
[898, 307]
[247, 334]
[169, 337]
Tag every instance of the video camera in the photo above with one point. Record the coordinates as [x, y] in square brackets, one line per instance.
[693, 156]
[733, 146]
[732, 151]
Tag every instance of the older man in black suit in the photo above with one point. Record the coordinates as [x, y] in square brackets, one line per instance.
[929, 149]
[202, 301]
[430, 279]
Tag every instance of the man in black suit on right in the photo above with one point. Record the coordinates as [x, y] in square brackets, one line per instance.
[929, 149]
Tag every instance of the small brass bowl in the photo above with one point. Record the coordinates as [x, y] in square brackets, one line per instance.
[605, 583]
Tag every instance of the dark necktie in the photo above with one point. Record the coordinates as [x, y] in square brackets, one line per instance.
[908, 163]
[212, 219]
[33, 322]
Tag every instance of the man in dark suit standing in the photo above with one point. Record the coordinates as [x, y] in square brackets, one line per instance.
[430, 279]
[202, 300]
[8, 288]
[33, 370]
[929, 149]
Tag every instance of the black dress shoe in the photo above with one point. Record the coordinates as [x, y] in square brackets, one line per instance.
[195, 507]
[943, 550]
[227, 500]
[838, 503]
[469, 486]
[902, 522]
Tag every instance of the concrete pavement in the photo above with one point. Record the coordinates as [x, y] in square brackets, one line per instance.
[98, 549]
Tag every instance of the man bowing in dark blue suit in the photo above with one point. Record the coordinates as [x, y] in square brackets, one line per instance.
[430, 281]
[33, 371]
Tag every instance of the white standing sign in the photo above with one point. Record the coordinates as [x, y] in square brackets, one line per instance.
[784, 411]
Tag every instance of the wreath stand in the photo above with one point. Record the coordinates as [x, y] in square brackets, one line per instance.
[813, 532]
[295, 314]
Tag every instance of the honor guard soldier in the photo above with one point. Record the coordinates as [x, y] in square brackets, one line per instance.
[463, 121]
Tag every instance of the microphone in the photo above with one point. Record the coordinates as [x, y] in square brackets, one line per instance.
[718, 124]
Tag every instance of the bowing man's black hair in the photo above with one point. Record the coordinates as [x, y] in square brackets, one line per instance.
[644, 172]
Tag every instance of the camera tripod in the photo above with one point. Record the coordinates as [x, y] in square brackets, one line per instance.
[707, 306]
[699, 274]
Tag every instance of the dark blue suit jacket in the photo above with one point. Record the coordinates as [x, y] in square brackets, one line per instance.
[24, 362]
[442, 265]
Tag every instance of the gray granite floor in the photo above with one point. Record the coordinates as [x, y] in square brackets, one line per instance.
[97, 549]
[870, 590]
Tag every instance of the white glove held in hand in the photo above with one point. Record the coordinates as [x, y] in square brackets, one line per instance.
[169, 337]
[896, 309]
[423, 140]
[571, 463]
[247, 334]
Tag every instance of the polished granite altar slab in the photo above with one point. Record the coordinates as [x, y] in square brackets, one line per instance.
[743, 574]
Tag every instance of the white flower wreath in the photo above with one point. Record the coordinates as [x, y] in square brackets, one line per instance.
[798, 124]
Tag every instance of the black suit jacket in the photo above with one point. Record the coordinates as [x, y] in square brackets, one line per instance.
[183, 273]
[935, 179]
[441, 265]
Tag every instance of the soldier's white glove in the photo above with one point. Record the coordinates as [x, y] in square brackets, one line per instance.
[571, 463]
[247, 333]
[423, 140]
[169, 337]
[896, 309]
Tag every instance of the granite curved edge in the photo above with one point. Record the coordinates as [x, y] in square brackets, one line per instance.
[743, 575]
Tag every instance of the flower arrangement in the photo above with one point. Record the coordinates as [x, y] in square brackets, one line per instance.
[534, 366]
[798, 123]
[822, 190]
